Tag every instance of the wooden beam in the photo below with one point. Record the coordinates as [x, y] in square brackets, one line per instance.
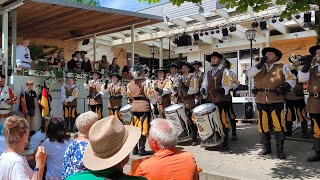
[179, 22]
[161, 26]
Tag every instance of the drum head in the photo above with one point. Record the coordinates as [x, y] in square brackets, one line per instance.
[204, 109]
[126, 108]
[173, 108]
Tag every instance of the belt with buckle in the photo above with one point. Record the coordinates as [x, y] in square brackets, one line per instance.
[316, 95]
[266, 90]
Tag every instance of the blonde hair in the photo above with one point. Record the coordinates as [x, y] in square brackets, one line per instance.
[14, 129]
[85, 121]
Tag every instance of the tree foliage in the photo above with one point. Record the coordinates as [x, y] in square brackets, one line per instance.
[89, 2]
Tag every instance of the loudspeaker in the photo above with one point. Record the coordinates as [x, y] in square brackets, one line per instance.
[85, 42]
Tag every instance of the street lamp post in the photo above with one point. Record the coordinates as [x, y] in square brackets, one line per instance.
[251, 35]
[153, 51]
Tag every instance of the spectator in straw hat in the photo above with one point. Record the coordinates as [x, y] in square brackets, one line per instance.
[108, 151]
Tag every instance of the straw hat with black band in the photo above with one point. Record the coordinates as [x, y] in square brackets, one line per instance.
[188, 65]
[216, 54]
[276, 51]
[110, 142]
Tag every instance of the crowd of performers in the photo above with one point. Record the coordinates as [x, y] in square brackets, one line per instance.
[200, 104]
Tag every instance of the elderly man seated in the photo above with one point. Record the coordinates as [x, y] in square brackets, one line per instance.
[168, 162]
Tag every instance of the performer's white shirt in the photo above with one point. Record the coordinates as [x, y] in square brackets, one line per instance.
[21, 51]
[289, 77]
[225, 78]
[303, 77]
[105, 91]
[166, 89]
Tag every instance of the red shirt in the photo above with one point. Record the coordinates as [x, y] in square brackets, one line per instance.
[169, 164]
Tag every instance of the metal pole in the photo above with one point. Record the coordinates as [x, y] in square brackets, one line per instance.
[169, 48]
[14, 39]
[161, 53]
[250, 79]
[94, 50]
[5, 42]
[152, 60]
[267, 38]
[132, 44]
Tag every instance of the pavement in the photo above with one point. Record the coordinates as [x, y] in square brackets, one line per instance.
[242, 161]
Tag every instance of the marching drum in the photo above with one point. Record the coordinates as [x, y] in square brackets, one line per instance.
[125, 111]
[177, 115]
[209, 125]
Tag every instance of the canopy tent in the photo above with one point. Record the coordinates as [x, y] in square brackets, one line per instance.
[67, 20]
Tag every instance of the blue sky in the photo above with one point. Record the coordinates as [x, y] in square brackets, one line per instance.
[130, 5]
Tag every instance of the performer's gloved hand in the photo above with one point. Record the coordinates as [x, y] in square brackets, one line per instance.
[89, 96]
[295, 72]
[202, 91]
[307, 65]
[106, 84]
[97, 96]
[220, 91]
[263, 60]
[87, 79]
[160, 91]
[283, 88]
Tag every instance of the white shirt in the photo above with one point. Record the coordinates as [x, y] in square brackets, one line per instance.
[3, 145]
[55, 156]
[14, 167]
[36, 140]
[23, 56]
[304, 76]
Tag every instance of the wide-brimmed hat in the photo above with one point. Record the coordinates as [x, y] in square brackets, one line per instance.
[189, 65]
[173, 65]
[115, 74]
[97, 72]
[85, 52]
[313, 49]
[110, 143]
[161, 69]
[29, 82]
[276, 51]
[197, 63]
[217, 54]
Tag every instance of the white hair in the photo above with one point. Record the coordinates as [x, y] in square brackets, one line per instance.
[84, 122]
[164, 133]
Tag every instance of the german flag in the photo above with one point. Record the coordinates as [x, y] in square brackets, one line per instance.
[44, 101]
[23, 102]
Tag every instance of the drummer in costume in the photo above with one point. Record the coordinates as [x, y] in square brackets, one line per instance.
[7, 99]
[312, 76]
[295, 104]
[139, 93]
[162, 88]
[198, 75]
[173, 75]
[217, 84]
[95, 87]
[186, 95]
[272, 80]
[70, 103]
[234, 85]
[116, 91]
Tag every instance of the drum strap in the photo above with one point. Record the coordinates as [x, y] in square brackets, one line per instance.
[184, 126]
